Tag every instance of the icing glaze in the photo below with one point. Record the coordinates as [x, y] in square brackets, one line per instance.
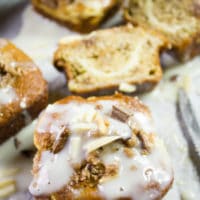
[7, 95]
[84, 120]
[76, 116]
[133, 173]
[54, 173]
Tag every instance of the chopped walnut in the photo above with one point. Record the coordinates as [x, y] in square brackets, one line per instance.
[99, 142]
[128, 152]
[146, 140]
[88, 174]
[131, 142]
[60, 142]
[93, 157]
[120, 113]
[110, 172]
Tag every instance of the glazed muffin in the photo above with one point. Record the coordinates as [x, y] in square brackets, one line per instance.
[99, 148]
[80, 15]
[23, 90]
[179, 21]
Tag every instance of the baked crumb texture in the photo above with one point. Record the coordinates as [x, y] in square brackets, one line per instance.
[179, 21]
[106, 149]
[125, 58]
[23, 91]
[82, 16]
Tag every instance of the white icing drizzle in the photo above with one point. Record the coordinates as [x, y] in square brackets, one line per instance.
[75, 115]
[7, 95]
[84, 120]
[144, 122]
[54, 172]
[132, 175]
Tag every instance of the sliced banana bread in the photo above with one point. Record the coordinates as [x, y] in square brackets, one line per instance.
[81, 15]
[23, 91]
[179, 21]
[124, 58]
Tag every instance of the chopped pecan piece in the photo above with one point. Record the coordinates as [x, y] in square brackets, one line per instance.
[61, 140]
[110, 172]
[146, 143]
[88, 174]
[131, 142]
[99, 142]
[128, 152]
[120, 113]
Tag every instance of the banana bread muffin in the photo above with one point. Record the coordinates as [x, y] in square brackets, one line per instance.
[124, 58]
[179, 21]
[23, 90]
[80, 15]
[99, 148]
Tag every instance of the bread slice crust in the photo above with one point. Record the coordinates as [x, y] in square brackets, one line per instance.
[178, 21]
[44, 142]
[77, 15]
[103, 60]
[23, 90]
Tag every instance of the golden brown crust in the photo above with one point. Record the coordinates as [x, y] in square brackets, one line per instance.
[19, 72]
[143, 76]
[186, 44]
[76, 16]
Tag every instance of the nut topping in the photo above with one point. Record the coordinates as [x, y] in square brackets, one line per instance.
[120, 113]
[146, 142]
[110, 172]
[61, 140]
[99, 142]
[87, 174]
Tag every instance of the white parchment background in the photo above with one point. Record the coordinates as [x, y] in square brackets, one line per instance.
[38, 37]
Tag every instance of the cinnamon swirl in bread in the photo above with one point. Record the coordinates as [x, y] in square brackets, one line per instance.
[179, 21]
[124, 58]
[80, 15]
[99, 148]
[23, 91]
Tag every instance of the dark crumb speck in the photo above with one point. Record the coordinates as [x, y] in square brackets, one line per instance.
[16, 143]
[173, 78]
[121, 189]
[28, 153]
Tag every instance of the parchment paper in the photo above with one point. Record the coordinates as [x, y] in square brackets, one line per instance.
[38, 37]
